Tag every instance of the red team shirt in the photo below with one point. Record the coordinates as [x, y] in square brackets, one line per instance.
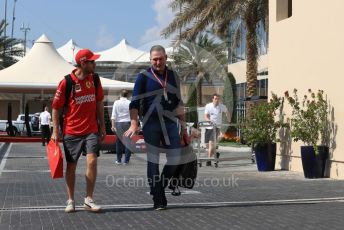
[80, 116]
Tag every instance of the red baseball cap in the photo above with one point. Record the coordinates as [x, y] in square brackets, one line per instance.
[85, 55]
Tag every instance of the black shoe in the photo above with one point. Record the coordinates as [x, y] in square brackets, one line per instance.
[159, 203]
[217, 155]
[208, 163]
[159, 207]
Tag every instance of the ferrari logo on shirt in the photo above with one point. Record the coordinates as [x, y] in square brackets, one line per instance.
[88, 84]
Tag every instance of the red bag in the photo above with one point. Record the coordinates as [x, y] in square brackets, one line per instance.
[185, 140]
[55, 159]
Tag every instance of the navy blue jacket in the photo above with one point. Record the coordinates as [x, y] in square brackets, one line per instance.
[148, 89]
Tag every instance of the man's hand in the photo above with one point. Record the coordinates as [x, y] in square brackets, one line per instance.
[131, 131]
[102, 133]
[183, 131]
[184, 137]
[113, 129]
[195, 133]
[56, 125]
[55, 136]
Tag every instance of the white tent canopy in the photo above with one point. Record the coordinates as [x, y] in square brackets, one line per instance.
[122, 52]
[43, 68]
[144, 58]
[68, 50]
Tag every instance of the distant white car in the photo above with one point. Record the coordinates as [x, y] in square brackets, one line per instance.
[19, 126]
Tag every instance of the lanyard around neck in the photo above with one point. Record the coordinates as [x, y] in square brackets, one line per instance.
[156, 77]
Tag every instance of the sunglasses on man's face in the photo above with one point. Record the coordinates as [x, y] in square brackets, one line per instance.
[89, 61]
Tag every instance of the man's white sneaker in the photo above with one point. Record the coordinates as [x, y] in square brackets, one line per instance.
[89, 205]
[70, 206]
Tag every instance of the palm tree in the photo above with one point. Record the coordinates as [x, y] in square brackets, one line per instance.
[195, 16]
[202, 58]
[9, 48]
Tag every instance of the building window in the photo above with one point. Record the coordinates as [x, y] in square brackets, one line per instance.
[284, 9]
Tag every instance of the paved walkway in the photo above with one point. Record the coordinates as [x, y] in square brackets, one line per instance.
[232, 196]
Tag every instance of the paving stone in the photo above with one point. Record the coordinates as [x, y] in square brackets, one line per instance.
[233, 196]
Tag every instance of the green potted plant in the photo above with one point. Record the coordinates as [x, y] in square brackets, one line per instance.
[308, 124]
[261, 132]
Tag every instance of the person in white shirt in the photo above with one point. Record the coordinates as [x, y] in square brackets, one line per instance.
[213, 113]
[44, 121]
[120, 120]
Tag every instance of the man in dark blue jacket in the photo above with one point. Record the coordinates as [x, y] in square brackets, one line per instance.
[157, 96]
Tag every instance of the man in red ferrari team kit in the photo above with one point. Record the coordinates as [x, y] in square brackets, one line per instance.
[83, 125]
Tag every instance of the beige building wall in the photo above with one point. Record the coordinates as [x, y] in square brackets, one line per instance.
[306, 51]
[238, 69]
[207, 92]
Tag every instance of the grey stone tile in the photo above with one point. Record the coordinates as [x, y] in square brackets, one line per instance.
[25, 184]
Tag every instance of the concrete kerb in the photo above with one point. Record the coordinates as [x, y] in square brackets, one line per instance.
[235, 149]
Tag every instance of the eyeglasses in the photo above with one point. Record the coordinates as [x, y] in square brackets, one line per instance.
[90, 61]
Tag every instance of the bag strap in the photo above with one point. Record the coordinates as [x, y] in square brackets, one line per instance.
[143, 90]
[68, 92]
[96, 81]
[69, 86]
[144, 82]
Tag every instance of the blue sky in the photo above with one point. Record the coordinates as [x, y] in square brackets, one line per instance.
[97, 25]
